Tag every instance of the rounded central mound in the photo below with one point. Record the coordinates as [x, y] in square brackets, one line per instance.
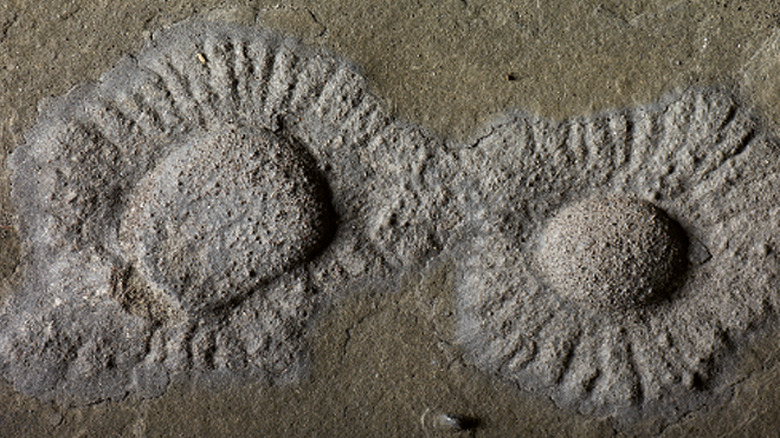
[612, 252]
[225, 212]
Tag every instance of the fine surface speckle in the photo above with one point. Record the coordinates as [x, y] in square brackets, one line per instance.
[612, 253]
[190, 212]
[614, 261]
[223, 215]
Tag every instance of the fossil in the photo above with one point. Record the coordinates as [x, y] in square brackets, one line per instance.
[615, 260]
[189, 212]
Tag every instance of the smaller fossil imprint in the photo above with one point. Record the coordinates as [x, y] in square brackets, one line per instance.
[615, 260]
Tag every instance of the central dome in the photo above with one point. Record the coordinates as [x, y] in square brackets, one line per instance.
[224, 212]
[612, 252]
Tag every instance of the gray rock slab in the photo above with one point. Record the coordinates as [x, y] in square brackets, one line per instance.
[190, 213]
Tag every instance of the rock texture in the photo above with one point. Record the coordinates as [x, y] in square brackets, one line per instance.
[189, 213]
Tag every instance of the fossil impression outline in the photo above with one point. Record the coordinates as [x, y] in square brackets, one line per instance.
[188, 213]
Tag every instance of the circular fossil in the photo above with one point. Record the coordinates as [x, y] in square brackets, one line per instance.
[190, 211]
[221, 215]
[615, 260]
[612, 253]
